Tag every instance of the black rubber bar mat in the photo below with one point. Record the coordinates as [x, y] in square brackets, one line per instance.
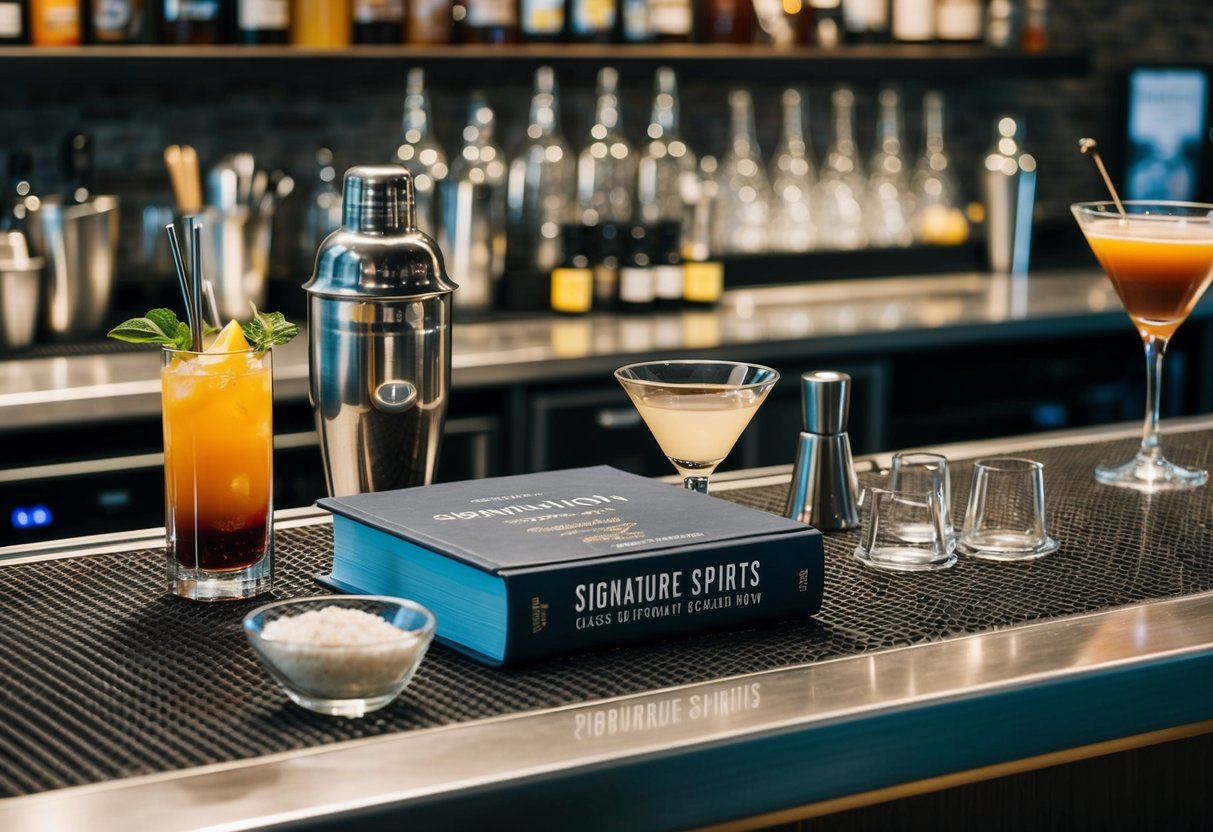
[103, 676]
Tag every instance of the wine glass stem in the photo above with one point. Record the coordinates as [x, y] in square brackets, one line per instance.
[1150, 443]
[699, 484]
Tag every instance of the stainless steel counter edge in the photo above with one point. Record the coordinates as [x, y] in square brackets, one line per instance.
[714, 751]
[825, 319]
[708, 752]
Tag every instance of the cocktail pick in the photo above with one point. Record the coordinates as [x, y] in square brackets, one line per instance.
[1087, 148]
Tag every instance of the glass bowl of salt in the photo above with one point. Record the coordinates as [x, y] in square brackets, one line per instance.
[342, 655]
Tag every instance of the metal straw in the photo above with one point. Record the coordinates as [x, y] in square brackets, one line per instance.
[182, 278]
[195, 230]
[1087, 148]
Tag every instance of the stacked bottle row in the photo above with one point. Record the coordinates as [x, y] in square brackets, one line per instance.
[825, 23]
[612, 207]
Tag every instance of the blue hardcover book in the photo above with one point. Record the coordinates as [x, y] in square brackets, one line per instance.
[537, 565]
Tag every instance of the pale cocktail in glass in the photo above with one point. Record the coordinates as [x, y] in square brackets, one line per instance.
[696, 410]
[1159, 256]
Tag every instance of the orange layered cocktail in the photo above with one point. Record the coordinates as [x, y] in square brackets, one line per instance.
[218, 468]
[1159, 256]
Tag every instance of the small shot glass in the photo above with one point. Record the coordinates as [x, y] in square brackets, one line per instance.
[904, 532]
[923, 471]
[1005, 519]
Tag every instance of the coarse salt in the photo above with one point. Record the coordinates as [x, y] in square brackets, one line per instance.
[341, 653]
[334, 626]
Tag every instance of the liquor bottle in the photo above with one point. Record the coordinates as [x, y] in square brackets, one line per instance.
[572, 291]
[1001, 23]
[938, 219]
[541, 21]
[55, 22]
[263, 21]
[422, 155]
[485, 21]
[634, 22]
[820, 23]
[14, 22]
[323, 213]
[606, 167]
[114, 21]
[702, 274]
[668, 273]
[666, 167]
[866, 21]
[913, 21]
[637, 289]
[592, 21]
[541, 184]
[378, 21]
[429, 22]
[840, 193]
[473, 208]
[725, 21]
[744, 195]
[958, 21]
[890, 203]
[1034, 34]
[793, 178]
[672, 21]
[773, 25]
[607, 247]
[195, 22]
[320, 22]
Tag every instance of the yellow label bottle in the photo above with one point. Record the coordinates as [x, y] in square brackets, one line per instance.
[55, 22]
[320, 22]
[704, 283]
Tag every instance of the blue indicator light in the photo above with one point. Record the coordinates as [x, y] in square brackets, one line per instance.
[31, 517]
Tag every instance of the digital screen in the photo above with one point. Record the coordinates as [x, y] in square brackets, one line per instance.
[1167, 128]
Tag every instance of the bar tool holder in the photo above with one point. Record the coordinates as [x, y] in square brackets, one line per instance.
[824, 489]
[379, 332]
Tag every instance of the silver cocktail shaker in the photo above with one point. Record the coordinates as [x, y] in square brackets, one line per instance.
[379, 332]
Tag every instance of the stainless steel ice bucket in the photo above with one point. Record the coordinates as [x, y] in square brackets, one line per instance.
[80, 246]
[379, 330]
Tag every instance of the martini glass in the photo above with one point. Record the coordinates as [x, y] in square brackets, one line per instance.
[1159, 256]
[696, 410]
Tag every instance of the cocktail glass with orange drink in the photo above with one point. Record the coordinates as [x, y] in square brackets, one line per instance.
[1159, 256]
[218, 468]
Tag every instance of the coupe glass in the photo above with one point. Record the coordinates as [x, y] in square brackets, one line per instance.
[1159, 256]
[696, 410]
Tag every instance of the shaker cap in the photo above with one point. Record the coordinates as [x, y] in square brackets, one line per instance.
[379, 252]
[826, 401]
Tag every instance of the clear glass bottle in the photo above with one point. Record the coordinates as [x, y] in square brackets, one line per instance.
[541, 181]
[744, 196]
[420, 152]
[665, 181]
[473, 211]
[793, 179]
[606, 167]
[842, 186]
[890, 202]
[323, 213]
[938, 218]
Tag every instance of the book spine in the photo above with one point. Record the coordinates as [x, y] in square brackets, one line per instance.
[564, 609]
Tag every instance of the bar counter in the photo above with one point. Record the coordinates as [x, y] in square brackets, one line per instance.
[817, 321]
[124, 709]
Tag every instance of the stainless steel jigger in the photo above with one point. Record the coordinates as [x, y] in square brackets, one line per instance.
[824, 489]
[379, 331]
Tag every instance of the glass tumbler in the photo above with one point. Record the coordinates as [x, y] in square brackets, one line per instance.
[1005, 519]
[218, 472]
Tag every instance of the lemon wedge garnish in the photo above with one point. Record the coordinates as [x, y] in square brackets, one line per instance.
[230, 339]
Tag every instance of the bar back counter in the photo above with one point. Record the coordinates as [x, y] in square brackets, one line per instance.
[126, 709]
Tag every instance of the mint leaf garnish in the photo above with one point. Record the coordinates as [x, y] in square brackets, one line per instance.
[160, 326]
[267, 330]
